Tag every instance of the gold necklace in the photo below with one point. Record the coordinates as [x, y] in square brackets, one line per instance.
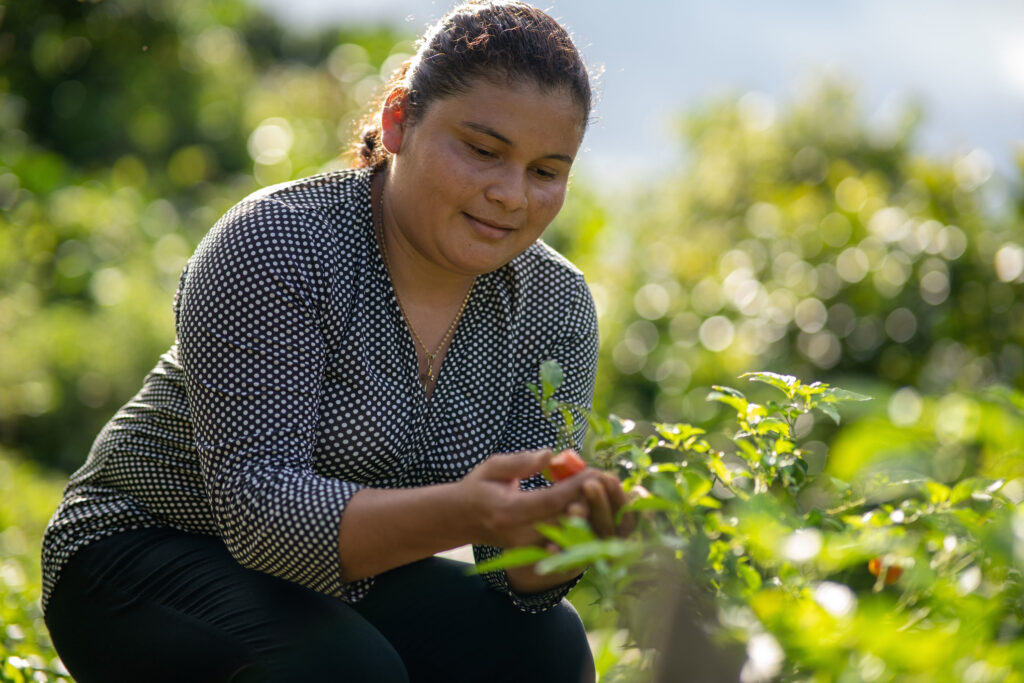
[451, 328]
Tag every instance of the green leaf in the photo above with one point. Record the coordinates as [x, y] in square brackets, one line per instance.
[936, 492]
[773, 425]
[974, 487]
[1007, 395]
[696, 485]
[569, 420]
[748, 451]
[589, 553]
[729, 397]
[652, 502]
[664, 488]
[620, 425]
[572, 531]
[835, 395]
[551, 377]
[719, 468]
[728, 390]
[514, 557]
[749, 576]
[830, 411]
[784, 383]
[677, 433]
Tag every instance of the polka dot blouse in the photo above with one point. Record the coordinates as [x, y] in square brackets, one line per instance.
[293, 383]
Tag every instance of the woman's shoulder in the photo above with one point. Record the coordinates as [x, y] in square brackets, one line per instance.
[324, 209]
[543, 268]
[317, 193]
[541, 281]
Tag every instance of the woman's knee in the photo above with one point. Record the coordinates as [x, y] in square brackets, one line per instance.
[344, 649]
[560, 646]
[319, 638]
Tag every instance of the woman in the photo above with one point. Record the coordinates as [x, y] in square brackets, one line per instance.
[352, 349]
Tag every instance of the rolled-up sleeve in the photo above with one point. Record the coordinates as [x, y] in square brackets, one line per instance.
[575, 350]
[249, 325]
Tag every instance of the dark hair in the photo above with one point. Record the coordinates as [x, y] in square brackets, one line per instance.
[503, 41]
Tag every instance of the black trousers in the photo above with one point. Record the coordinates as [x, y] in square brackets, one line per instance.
[162, 605]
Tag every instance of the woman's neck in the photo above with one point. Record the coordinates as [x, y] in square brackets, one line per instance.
[419, 282]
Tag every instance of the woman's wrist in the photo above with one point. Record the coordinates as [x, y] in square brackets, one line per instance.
[526, 580]
[385, 528]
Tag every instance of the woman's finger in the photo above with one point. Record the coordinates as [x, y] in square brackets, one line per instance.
[578, 509]
[515, 466]
[602, 518]
[617, 498]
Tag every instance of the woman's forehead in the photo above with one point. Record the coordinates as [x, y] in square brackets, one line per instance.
[514, 107]
[518, 114]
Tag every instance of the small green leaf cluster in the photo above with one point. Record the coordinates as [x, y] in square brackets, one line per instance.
[561, 415]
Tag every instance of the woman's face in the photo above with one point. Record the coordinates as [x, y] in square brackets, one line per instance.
[477, 179]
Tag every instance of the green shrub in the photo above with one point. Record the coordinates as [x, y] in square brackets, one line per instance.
[27, 499]
[799, 575]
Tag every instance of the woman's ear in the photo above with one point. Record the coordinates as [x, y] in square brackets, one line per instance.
[392, 120]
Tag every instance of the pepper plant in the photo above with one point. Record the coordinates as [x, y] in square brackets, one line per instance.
[790, 573]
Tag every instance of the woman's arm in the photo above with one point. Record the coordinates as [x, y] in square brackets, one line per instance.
[248, 317]
[384, 528]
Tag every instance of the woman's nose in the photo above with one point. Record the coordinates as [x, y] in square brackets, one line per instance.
[508, 188]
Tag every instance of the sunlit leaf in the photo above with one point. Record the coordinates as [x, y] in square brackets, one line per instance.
[729, 397]
[697, 486]
[652, 503]
[551, 376]
[572, 531]
[773, 425]
[587, 553]
[1006, 394]
[784, 383]
[836, 395]
[749, 576]
[972, 487]
[748, 451]
[514, 557]
[830, 411]
[936, 492]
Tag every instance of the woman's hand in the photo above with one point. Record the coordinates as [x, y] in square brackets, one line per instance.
[503, 515]
[602, 501]
[506, 517]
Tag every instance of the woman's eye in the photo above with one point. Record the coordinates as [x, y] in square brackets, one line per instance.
[481, 152]
[545, 174]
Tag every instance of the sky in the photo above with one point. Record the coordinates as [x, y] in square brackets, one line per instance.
[964, 61]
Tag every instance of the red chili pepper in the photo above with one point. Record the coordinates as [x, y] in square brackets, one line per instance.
[564, 465]
[892, 573]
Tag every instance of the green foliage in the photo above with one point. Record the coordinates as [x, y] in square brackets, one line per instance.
[783, 551]
[27, 499]
[806, 238]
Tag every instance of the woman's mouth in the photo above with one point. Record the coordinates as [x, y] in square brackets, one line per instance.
[492, 230]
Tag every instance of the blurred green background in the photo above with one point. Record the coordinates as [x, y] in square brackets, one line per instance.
[808, 243]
